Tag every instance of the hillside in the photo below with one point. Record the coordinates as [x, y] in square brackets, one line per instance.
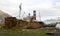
[3, 15]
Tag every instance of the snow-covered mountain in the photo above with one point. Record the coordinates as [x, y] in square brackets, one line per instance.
[53, 20]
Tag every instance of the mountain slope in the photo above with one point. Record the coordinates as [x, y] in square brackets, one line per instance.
[3, 15]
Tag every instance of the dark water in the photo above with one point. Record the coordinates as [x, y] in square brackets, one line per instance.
[6, 34]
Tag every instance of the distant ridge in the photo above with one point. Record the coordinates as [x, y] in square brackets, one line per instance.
[3, 15]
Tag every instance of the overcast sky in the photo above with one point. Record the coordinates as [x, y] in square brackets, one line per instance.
[47, 8]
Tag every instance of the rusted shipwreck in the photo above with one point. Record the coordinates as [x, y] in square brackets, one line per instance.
[12, 22]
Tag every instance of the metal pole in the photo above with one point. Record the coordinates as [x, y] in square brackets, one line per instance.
[39, 16]
[20, 10]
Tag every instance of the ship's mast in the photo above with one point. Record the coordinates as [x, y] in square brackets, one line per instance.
[40, 16]
[20, 9]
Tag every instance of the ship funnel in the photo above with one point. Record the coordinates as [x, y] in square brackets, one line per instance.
[34, 15]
